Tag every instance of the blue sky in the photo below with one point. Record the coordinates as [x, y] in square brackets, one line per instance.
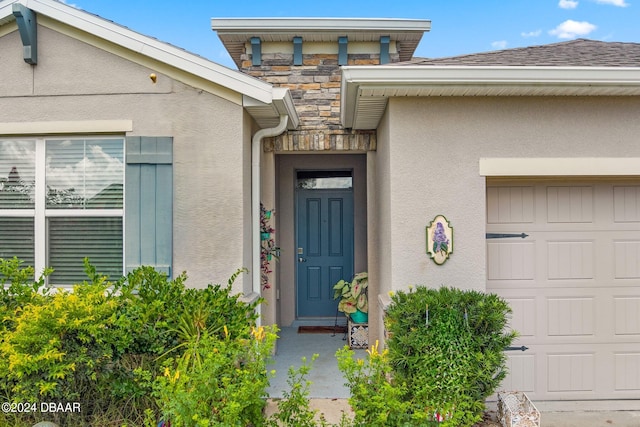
[457, 27]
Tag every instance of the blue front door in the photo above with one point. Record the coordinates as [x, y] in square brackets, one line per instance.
[324, 243]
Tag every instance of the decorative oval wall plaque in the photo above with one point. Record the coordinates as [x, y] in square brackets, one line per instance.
[439, 239]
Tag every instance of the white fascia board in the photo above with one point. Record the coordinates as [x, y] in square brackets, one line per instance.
[6, 9]
[150, 47]
[284, 103]
[348, 99]
[424, 75]
[242, 25]
[385, 79]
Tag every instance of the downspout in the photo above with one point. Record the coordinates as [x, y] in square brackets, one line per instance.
[256, 150]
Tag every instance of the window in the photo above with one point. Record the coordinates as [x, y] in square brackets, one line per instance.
[62, 199]
[324, 180]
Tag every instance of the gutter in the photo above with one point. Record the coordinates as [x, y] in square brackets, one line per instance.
[256, 149]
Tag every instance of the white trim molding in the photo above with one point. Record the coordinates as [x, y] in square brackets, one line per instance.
[560, 166]
[67, 127]
[366, 89]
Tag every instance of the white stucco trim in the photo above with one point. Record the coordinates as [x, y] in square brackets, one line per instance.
[66, 127]
[560, 166]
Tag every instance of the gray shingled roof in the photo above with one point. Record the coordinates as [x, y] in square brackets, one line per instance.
[577, 53]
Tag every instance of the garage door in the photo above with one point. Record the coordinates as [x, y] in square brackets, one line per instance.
[573, 284]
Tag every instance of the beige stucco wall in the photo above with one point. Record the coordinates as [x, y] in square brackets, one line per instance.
[75, 81]
[427, 164]
[379, 234]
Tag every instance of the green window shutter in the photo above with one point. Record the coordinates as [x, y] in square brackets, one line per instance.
[149, 203]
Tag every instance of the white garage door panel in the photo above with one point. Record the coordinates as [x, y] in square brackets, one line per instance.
[575, 371]
[573, 285]
[580, 314]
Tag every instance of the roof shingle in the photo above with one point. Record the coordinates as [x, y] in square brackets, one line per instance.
[574, 53]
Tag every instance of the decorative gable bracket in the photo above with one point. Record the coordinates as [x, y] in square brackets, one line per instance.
[26, 19]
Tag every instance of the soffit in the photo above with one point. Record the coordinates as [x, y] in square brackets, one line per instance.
[365, 90]
[236, 32]
[268, 115]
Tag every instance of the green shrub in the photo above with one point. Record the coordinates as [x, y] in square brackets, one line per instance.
[58, 345]
[445, 357]
[224, 383]
[17, 288]
[105, 344]
[376, 399]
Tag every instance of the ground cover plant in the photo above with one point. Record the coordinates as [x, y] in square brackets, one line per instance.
[445, 356]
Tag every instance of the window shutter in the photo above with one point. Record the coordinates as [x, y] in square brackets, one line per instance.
[149, 203]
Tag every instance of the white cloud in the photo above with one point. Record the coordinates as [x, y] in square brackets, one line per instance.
[571, 29]
[618, 3]
[535, 33]
[568, 4]
[18, 154]
[500, 44]
[88, 175]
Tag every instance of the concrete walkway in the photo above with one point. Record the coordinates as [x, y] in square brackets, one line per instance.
[329, 394]
[326, 378]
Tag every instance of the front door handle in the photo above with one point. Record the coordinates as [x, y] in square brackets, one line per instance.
[300, 259]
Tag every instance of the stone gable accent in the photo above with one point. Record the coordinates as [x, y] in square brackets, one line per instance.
[322, 141]
[315, 89]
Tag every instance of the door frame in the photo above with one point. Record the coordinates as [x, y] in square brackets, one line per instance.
[297, 193]
[283, 299]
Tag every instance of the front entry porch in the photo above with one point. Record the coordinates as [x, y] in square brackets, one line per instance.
[297, 285]
[326, 379]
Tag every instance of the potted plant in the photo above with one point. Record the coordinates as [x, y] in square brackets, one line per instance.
[354, 301]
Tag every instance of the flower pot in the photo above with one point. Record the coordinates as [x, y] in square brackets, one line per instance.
[268, 257]
[359, 317]
[265, 236]
[267, 214]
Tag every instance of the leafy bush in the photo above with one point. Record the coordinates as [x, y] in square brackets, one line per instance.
[56, 345]
[445, 357]
[376, 399]
[107, 345]
[17, 289]
[223, 383]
